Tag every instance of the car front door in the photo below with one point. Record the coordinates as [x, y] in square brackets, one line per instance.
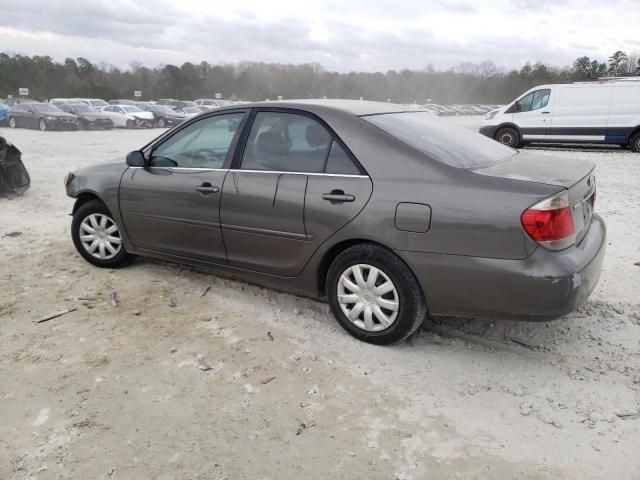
[532, 115]
[172, 205]
[263, 213]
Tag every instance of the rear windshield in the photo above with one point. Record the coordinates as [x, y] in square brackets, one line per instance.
[441, 139]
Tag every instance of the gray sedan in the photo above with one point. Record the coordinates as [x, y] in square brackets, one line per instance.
[386, 211]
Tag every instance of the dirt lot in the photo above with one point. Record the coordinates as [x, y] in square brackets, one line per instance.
[113, 389]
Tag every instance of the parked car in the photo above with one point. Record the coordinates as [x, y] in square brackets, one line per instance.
[43, 116]
[88, 117]
[181, 104]
[60, 101]
[188, 111]
[4, 109]
[603, 112]
[385, 212]
[18, 100]
[164, 116]
[94, 102]
[210, 102]
[122, 102]
[129, 116]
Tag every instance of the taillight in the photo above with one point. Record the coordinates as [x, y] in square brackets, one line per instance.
[550, 222]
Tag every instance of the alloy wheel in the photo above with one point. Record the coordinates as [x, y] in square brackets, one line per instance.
[100, 236]
[368, 297]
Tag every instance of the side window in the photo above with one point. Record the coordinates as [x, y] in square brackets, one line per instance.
[540, 99]
[286, 142]
[203, 144]
[533, 101]
[339, 162]
[524, 104]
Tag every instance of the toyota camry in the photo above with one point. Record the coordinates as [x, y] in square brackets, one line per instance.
[387, 212]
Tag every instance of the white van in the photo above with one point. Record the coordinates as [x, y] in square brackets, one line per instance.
[606, 111]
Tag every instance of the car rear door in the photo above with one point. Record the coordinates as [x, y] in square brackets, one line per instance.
[278, 204]
[172, 206]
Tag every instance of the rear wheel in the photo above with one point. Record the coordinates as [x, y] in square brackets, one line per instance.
[634, 144]
[509, 137]
[42, 125]
[374, 296]
[162, 123]
[97, 236]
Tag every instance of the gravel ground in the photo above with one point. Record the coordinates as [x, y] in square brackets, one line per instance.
[113, 389]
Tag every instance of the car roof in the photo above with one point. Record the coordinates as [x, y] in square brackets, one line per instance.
[354, 107]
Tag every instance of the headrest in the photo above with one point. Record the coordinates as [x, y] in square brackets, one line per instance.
[316, 135]
[271, 143]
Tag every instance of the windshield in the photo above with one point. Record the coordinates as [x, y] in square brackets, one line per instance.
[163, 109]
[192, 110]
[130, 109]
[441, 139]
[46, 108]
[98, 103]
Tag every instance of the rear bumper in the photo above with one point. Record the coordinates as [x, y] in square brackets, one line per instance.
[488, 130]
[544, 286]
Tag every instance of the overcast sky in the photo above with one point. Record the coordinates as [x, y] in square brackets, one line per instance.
[343, 35]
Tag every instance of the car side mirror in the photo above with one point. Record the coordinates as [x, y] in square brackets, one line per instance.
[136, 159]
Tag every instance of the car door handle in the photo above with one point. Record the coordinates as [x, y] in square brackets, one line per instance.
[207, 188]
[338, 196]
[545, 113]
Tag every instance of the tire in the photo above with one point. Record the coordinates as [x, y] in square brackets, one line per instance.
[82, 125]
[12, 123]
[634, 144]
[42, 125]
[509, 137]
[129, 124]
[82, 219]
[162, 123]
[410, 305]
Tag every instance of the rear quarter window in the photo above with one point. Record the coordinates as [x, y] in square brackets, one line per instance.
[442, 140]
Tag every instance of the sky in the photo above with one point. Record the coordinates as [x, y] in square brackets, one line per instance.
[345, 35]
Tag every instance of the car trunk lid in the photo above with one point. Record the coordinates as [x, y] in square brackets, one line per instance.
[576, 176]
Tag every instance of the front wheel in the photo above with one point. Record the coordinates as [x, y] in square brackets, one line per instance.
[509, 137]
[162, 123]
[43, 125]
[129, 124]
[634, 144]
[374, 295]
[12, 122]
[97, 237]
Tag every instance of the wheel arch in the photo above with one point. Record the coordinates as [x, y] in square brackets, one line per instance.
[506, 125]
[332, 253]
[86, 197]
[633, 133]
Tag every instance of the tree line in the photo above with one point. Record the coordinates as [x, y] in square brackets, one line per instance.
[466, 83]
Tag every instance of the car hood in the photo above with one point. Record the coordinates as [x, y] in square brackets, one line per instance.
[142, 115]
[534, 167]
[115, 167]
